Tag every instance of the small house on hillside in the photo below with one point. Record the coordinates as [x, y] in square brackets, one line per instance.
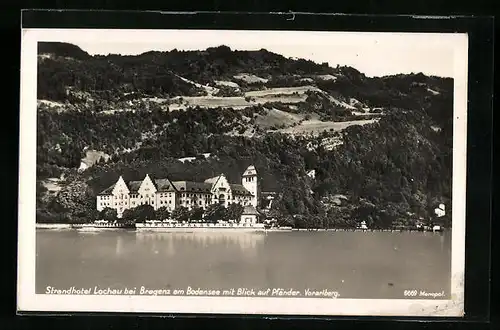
[250, 215]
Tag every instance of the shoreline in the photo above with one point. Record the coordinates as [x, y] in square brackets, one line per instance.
[59, 226]
[54, 226]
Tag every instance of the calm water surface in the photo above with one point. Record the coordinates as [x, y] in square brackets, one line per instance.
[356, 264]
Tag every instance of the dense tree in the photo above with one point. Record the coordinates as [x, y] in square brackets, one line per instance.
[181, 213]
[196, 214]
[234, 212]
[139, 213]
[215, 212]
[145, 212]
[162, 213]
[108, 214]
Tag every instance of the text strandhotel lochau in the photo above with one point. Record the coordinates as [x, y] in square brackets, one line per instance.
[173, 194]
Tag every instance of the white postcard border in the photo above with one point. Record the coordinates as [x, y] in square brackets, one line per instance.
[27, 300]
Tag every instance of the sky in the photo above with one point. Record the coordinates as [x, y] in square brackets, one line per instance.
[374, 54]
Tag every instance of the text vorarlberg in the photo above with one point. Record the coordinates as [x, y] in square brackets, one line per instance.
[190, 291]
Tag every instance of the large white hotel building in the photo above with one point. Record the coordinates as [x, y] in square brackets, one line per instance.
[172, 194]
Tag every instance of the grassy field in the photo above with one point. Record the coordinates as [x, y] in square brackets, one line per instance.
[326, 77]
[52, 105]
[250, 78]
[53, 185]
[92, 156]
[315, 126]
[282, 90]
[285, 99]
[236, 102]
[226, 83]
[277, 117]
[281, 95]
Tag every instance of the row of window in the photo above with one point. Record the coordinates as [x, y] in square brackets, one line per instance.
[187, 202]
[182, 202]
[107, 197]
[207, 198]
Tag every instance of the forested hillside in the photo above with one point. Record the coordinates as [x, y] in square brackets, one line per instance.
[390, 157]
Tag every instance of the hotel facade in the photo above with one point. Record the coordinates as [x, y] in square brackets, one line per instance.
[173, 194]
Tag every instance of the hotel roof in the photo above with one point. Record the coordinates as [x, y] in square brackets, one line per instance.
[133, 186]
[166, 184]
[192, 186]
[108, 190]
[250, 171]
[238, 189]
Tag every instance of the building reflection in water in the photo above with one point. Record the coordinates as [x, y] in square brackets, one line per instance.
[247, 243]
[119, 246]
[442, 241]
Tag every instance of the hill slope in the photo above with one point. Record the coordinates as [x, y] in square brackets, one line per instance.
[382, 141]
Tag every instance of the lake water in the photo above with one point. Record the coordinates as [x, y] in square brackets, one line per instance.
[368, 265]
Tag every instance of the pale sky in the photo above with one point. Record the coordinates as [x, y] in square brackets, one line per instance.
[374, 54]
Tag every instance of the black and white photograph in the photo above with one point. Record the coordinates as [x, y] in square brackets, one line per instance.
[242, 172]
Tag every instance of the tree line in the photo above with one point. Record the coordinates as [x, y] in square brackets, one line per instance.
[139, 214]
[389, 169]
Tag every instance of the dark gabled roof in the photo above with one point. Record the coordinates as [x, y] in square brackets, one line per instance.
[191, 186]
[167, 185]
[238, 189]
[108, 190]
[213, 180]
[134, 186]
[164, 185]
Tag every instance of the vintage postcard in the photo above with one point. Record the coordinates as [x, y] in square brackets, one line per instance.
[242, 172]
